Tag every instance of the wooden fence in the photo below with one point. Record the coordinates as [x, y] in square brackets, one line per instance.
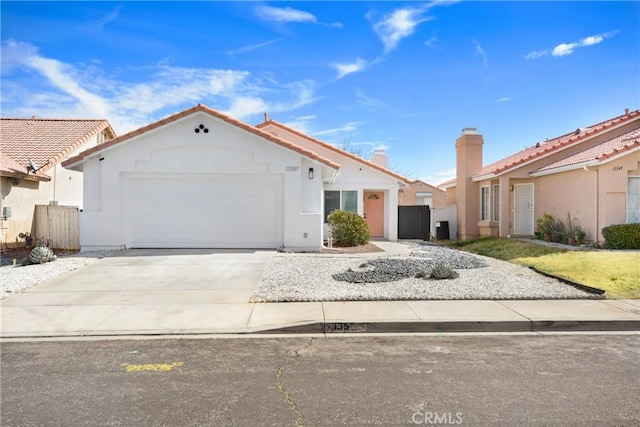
[57, 226]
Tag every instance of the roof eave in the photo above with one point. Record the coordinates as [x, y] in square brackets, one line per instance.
[484, 177]
[77, 160]
[575, 166]
[352, 156]
[586, 163]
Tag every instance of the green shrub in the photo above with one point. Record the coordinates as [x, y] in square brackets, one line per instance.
[348, 228]
[552, 229]
[622, 236]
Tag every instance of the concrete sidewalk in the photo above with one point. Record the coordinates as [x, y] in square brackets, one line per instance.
[177, 292]
[321, 317]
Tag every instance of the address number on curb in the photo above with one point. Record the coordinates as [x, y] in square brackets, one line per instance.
[345, 327]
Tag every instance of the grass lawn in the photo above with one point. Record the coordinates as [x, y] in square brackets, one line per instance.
[618, 273]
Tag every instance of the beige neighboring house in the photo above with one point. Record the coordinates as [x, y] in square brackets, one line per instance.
[31, 151]
[591, 173]
[419, 193]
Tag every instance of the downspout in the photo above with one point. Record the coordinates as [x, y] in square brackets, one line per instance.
[55, 181]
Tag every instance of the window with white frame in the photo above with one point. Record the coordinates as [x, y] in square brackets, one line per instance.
[633, 200]
[346, 200]
[484, 203]
[424, 198]
[496, 203]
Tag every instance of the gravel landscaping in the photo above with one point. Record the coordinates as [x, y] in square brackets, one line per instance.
[374, 276]
[294, 277]
[17, 279]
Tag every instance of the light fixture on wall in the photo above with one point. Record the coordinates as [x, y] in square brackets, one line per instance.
[310, 173]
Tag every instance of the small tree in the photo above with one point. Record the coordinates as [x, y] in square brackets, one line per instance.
[348, 228]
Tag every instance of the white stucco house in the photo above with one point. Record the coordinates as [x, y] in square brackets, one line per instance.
[201, 179]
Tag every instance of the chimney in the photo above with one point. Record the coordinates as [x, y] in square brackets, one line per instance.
[626, 111]
[379, 157]
[468, 163]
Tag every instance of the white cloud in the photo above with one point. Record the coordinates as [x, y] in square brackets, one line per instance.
[34, 84]
[536, 54]
[564, 49]
[60, 75]
[439, 177]
[431, 41]
[481, 52]
[284, 14]
[246, 106]
[347, 127]
[399, 24]
[367, 101]
[107, 19]
[252, 47]
[345, 69]
[504, 99]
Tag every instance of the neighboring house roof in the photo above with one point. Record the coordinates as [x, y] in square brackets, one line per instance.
[622, 144]
[447, 184]
[335, 149]
[419, 181]
[550, 146]
[201, 108]
[45, 142]
[547, 147]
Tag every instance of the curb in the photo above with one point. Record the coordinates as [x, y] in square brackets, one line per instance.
[346, 328]
[459, 326]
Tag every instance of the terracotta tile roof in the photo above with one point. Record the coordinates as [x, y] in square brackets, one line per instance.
[549, 146]
[9, 167]
[212, 112]
[601, 152]
[44, 141]
[336, 149]
[419, 181]
[447, 183]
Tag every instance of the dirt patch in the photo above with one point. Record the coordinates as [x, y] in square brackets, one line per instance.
[362, 249]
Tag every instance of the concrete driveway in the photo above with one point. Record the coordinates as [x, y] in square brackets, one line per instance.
[143, 289]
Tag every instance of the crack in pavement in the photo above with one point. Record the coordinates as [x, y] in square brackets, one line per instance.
[283, 390]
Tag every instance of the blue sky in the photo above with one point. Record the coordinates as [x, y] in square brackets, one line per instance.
[406, 76]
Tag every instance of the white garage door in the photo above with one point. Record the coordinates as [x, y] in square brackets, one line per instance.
[213, 211]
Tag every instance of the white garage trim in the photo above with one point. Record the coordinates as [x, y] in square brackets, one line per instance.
[203, 211]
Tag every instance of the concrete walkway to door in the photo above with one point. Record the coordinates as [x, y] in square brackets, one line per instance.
[144, 290]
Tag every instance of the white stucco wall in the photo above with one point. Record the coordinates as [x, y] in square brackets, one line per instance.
[175, 148]
[354, 175]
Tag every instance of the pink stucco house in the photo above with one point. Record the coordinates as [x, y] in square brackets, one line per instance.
[592, 173]
[419, 193]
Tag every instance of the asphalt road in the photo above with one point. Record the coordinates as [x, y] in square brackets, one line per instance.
[572, 380]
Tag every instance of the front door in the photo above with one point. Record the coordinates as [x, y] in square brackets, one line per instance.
[374, 212]
[523, 215]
